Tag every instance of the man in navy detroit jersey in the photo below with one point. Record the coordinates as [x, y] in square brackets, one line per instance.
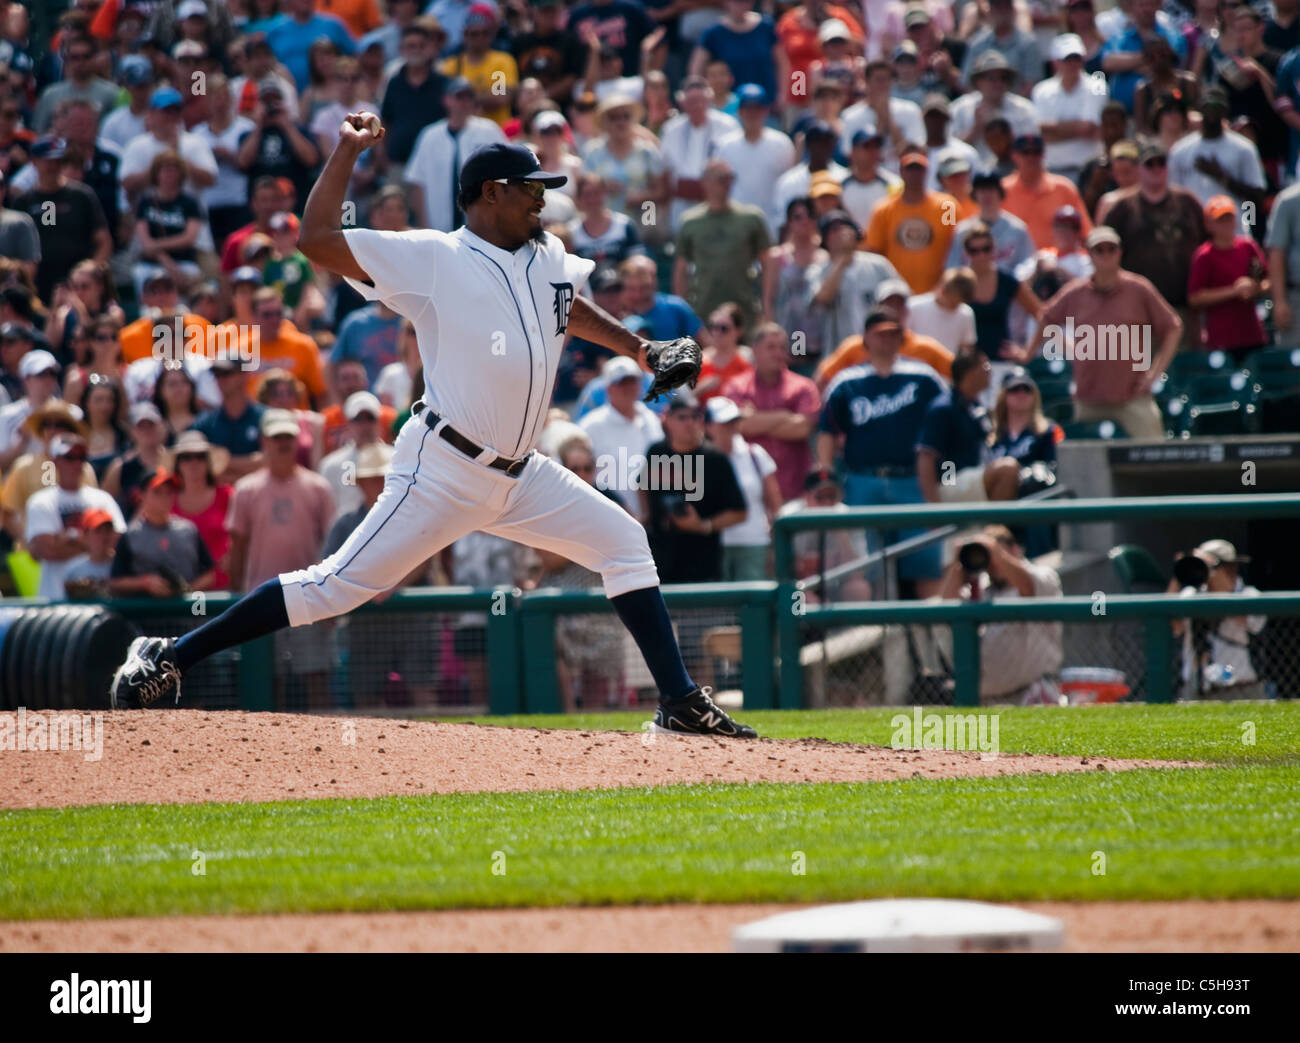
[876, 410]
[491, 304]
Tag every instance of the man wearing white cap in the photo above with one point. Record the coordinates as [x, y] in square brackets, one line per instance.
[39, 372]
[621, 431]
[1069, 108]
[1216, 660]
[745, 546]
[339, 468]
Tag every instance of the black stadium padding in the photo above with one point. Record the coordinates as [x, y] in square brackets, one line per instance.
[61, 657]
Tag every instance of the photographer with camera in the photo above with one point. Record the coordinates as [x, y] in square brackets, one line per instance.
[1216, 659]
[1017, 660]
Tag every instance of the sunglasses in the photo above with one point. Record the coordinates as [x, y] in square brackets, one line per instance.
[182, 458]
[1156, 162]
[583, 468]
[975, 251]
[1103, 248]
[1018, 389]
[534, 188]
[721, 327]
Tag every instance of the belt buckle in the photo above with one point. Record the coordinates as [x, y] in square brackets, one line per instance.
[517, 467]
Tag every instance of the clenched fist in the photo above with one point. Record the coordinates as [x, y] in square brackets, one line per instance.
[361, 129]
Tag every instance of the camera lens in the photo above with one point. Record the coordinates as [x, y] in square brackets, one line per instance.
[1191, 571]
[974, 557]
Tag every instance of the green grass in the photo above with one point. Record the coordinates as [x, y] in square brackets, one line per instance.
[1189, 833]
[1196, 731]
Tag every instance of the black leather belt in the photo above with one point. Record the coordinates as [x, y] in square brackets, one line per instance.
[449, 434]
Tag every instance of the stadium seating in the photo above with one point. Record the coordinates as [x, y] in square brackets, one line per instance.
[1056, 391]
[1137, 569]
[1094, 429]
[1048, 369]
[1219, 403]
[1277, 372]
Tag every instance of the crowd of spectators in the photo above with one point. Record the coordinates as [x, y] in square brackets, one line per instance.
[869, 214]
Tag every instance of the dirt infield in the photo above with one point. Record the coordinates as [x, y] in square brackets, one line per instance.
[190, 756]
[1249, 926]
[186, 756]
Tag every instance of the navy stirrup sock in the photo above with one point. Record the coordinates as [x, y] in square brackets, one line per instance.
[261, 612]
[645, 615]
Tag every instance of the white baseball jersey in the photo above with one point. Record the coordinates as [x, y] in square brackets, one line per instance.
[490, 324]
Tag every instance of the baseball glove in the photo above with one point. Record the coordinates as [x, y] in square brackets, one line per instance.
[674, 363]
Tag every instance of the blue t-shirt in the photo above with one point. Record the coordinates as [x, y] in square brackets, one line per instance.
[669, 317]
[957, 429]
[748, 55]
[366, 336]
[242, 435]
[880, 417]
[290, 41]
[1123, 85]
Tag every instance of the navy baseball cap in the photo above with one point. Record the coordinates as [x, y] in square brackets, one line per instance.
[458, 85]
[499, 160]
[866, 137]
[819, 129]
[48, 147]
[752, 94]
[987, 179]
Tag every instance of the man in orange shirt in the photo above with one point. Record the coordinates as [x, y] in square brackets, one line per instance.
[1034, 195]
[891, 296]
[158, 327]
[280, 345]
[361, 16]
[913, 230]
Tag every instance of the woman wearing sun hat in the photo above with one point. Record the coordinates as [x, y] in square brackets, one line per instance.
[196, 463]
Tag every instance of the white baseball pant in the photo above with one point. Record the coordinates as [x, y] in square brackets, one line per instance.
[434, 495]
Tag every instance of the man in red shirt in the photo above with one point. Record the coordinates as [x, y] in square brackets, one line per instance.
[1120, 335]
[778, 409]
[1229, 273]
[266, 200]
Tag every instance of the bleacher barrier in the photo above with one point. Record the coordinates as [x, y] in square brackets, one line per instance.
[506, 651]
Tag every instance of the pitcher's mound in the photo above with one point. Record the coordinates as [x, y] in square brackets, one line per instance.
[187, 756]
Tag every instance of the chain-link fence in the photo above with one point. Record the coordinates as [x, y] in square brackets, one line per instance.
[403, 662]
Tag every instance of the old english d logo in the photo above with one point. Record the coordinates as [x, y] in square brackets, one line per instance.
[563, 302]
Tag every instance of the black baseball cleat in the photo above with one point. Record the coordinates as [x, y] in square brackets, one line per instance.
[149, 673]
[697, 714]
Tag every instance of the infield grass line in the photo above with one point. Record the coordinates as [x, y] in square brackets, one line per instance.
[1157, 834]
[1222, 733]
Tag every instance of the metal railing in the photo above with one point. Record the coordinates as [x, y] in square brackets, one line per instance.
[792, 613]
[519, 644]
